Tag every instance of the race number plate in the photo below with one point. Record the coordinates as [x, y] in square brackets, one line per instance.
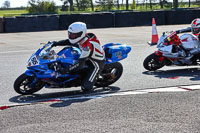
[33, 61]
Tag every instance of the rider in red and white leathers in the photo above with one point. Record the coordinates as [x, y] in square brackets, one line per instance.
[92, 53]
[195, 29]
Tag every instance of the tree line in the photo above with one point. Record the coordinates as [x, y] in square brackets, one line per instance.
[40, 6]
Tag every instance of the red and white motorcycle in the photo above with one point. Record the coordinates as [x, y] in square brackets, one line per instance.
[174, 50]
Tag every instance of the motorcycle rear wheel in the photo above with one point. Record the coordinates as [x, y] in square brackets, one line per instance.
[22, 85]
[152, 62]
[110, 74]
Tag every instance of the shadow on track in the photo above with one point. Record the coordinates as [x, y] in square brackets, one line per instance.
[71, 96]
[194, 73]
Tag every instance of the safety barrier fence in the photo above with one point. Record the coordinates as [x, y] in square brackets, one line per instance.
[1, 25]
[95, 20]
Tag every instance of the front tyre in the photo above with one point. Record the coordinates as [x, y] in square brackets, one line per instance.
[110, 74]
[152, 62]
[23, 82]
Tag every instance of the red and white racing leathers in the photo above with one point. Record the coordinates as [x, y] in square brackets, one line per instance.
[90, 47]
[92, 54]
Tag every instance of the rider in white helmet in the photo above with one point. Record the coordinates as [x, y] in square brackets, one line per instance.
[189, 43]
[195, 28]
[92, 53]
[191, 40]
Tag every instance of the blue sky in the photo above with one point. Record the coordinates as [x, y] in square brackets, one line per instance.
[19, 3]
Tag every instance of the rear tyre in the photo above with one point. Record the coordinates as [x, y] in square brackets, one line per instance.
[22, 85]
[152, 62]
[110, 74]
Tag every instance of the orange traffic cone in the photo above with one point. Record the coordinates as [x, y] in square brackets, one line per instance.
[154, 39]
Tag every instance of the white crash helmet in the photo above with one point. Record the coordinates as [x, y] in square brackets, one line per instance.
[195, 25]
[76, 32]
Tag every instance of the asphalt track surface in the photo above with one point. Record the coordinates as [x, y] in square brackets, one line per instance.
[164, 101]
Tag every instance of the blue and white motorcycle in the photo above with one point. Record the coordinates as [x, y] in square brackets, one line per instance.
[44, 65]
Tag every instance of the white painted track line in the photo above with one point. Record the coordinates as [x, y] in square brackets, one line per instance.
[96, 96]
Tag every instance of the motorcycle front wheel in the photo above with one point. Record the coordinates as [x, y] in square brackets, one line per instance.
[110, 74]
[22, 85]
[152, 62]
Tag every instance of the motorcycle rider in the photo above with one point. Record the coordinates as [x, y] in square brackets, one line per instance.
[195, 29]
[92, 53]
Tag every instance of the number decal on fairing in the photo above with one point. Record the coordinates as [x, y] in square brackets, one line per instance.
[33, 61]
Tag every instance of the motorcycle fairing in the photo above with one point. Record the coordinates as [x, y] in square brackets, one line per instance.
[68, 56]
[115, 52]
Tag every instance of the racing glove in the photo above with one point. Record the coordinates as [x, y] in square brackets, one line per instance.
[54, 44]
[61, 43]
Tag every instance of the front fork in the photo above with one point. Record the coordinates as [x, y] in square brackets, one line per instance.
[31, 74]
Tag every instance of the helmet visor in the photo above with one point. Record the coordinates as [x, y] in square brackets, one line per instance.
[74, 35]
[195, 30]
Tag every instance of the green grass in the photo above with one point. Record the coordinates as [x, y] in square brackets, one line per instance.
[10, 13]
